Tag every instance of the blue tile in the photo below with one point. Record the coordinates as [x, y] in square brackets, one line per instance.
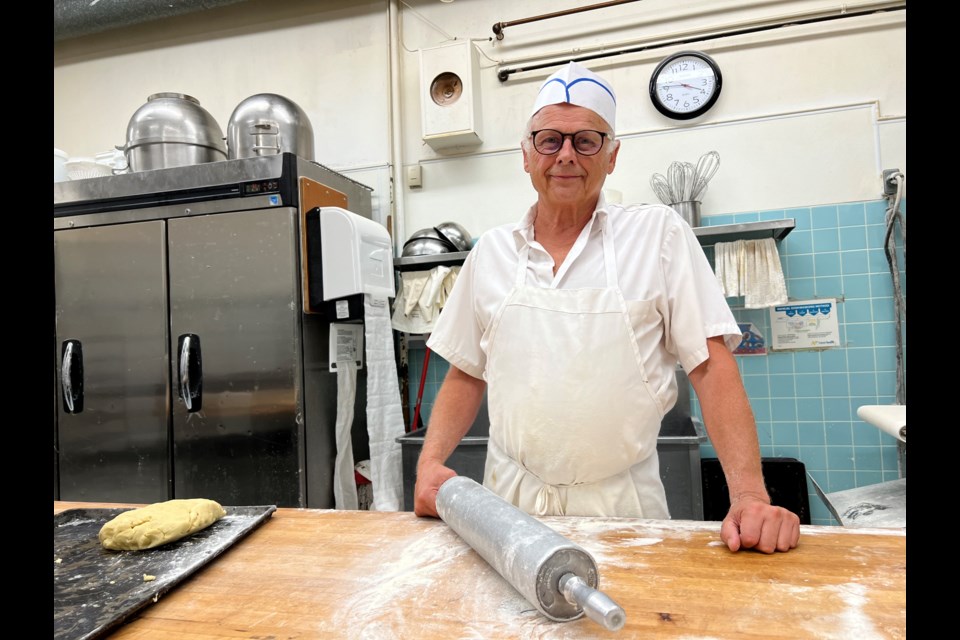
[782, 386]
[825, 240]
[820, 515]
[801, 216]
[809, 409]
[801, 288]
[840, 480]
[886, 358]
[773, 214]
[785, 433]
[836, 409]
[881, 285]
[807, 362]
[786, 451]
[800, 266]
[855, 286]
[833, 361]
[798, 242]
[885, 334]
[839, 457]
[860, 310]
[751, 216]
[876, 211]
[855, 262]
[754, 366]
[887, 380]
[877, 260]
[851, 215]
[763, 434]
[863, 384]
[781, 363]
[808, 386]
[707, 451]
[859, 334]
[838, 433]
[868, 478]
[882, 309]
[827, 263]
[720, 219]
[852, 238]
[828, 286]
[835, 385]
[867, 459]
[761, 409]
[783, 408]
[813, 457]
[865, 434]
[876, 235]
[860, 359]
[824, 217]
[888, 455]
[756, 386]
[890, 475]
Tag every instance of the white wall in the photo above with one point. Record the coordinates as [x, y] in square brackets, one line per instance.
[809, 113]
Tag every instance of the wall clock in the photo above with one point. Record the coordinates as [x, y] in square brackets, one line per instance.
[685, 85]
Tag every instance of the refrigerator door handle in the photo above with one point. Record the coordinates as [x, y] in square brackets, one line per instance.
[191, 372]
[71, 376]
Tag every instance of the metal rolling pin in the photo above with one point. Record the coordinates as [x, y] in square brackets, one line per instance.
[556, 576]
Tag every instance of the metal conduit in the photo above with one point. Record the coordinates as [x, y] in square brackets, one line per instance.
[500, 26]
[75, 18]
[507, 69]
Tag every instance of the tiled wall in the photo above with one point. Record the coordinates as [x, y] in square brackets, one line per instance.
[805, 402]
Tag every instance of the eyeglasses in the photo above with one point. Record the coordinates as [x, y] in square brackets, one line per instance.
[550, 141]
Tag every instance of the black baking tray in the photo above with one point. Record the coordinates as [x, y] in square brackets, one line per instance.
[96, 590]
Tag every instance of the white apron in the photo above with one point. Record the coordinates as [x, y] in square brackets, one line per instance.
[573, 421]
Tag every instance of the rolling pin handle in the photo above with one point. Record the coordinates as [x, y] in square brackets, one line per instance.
[598, 606]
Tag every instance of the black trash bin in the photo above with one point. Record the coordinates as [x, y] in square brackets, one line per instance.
[786, 480]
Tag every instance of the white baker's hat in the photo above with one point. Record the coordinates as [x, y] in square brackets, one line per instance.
[578, 85]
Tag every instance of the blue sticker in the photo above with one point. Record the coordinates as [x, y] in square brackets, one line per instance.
[274, 200]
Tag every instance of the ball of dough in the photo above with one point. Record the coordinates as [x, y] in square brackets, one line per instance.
[159, 523]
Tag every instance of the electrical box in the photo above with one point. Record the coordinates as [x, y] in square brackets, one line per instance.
[449, 95]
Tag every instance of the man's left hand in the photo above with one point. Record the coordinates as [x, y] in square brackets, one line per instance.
[752, 523]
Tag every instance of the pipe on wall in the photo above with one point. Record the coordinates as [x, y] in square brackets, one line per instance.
[75, 18]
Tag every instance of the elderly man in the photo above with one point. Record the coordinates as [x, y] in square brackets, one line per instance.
[574, 321]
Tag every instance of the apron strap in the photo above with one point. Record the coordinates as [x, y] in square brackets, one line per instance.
[609, 254]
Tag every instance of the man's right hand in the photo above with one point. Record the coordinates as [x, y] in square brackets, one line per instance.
[430, 475]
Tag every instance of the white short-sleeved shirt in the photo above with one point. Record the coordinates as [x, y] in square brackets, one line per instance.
[672, 294]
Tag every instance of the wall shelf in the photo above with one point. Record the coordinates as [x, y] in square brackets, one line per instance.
[425, 263]
[776, 229]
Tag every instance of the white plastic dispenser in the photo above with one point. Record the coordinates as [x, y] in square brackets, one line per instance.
[357, 255]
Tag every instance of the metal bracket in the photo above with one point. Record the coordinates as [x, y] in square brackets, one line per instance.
[889, 184]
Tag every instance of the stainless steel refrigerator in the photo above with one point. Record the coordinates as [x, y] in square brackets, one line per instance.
[191, 339]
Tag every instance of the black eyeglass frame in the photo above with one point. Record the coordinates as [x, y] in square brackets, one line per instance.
[563, 138]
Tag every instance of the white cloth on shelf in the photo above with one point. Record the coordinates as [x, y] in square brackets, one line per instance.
[751, 268]
[422, 296]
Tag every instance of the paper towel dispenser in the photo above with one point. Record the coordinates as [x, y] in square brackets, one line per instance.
[348, 256]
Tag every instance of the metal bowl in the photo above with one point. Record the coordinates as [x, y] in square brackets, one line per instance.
[425, 246]
[267, 124]
[456, 234]
[172, 130]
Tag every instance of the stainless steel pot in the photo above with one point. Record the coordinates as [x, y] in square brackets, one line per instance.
[267, 124]
[172, 130]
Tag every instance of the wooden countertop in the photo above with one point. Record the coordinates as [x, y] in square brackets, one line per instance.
[308, 574]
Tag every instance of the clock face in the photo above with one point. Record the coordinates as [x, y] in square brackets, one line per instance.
[685, 85]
